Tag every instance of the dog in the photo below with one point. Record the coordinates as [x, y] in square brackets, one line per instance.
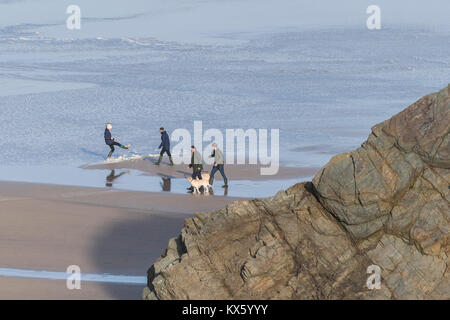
[197, 183]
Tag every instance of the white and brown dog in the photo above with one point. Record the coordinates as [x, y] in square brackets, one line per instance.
[197, 183]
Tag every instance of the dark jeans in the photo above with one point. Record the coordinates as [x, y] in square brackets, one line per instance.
[114, 143]
[220, 169]
[197, 171]
[166, 151]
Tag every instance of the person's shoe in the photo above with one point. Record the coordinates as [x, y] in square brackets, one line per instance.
[171, 162]
[211, 181]
[159, 161]
[225, 183]
[125, 147]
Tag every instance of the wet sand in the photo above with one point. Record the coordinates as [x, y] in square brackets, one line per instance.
[49, 227]
[233, 172]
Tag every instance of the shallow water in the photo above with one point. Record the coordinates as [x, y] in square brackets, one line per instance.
[84, 277]
[137, 181]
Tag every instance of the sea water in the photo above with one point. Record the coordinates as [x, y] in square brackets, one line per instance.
[143, 65]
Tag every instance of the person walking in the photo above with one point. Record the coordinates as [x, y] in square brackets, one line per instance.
[218, 165]
[110, 141]
[196, 165]
[164, 146]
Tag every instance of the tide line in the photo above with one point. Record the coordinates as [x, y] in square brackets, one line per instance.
[85, 277]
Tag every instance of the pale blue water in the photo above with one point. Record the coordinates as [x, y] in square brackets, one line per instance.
[84, 277]
[322, 86]
[137, 181]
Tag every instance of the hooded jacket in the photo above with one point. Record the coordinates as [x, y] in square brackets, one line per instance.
[108, 137]
[165, 141]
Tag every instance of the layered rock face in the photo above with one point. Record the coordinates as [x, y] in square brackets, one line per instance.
[385, 204]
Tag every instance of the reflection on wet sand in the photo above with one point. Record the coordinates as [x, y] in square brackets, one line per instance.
[166, 184]
[211, 192]
[112, 177]
[135, 180]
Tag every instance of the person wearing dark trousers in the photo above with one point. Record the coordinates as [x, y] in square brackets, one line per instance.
[110, 141]
[164, 146]
[218, 165]
[196, 165]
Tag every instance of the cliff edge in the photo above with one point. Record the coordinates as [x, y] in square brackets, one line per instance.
[384, 204]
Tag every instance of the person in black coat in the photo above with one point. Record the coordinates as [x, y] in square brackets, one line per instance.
[164, 146]
[110, 141]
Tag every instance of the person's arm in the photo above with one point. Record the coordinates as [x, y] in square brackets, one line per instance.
[214, 156]
[161, 144]
[108, 136]
[192, 161]
[166, 140]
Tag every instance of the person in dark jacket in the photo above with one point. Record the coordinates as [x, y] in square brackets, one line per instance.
[196, 165]
[218, 165]
[110, 141]
[164, 146]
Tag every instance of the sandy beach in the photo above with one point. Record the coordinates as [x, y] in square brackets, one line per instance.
[104, 231]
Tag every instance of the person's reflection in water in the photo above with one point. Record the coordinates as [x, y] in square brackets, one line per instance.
[111, 177]
[166, 184]
[225, 191]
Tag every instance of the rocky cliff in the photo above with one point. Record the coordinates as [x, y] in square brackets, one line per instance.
[384, 204]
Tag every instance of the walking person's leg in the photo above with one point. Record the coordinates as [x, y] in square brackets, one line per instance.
[170, 157]
[160, 157]
[119, 145]
[111, 146]
[225, 179]
[211, 175]
[193, 176]
[199, 172]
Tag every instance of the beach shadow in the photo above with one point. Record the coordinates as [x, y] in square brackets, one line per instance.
[131, 246]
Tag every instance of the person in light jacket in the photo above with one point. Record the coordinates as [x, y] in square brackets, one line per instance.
[218, 165]
[196, 165]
